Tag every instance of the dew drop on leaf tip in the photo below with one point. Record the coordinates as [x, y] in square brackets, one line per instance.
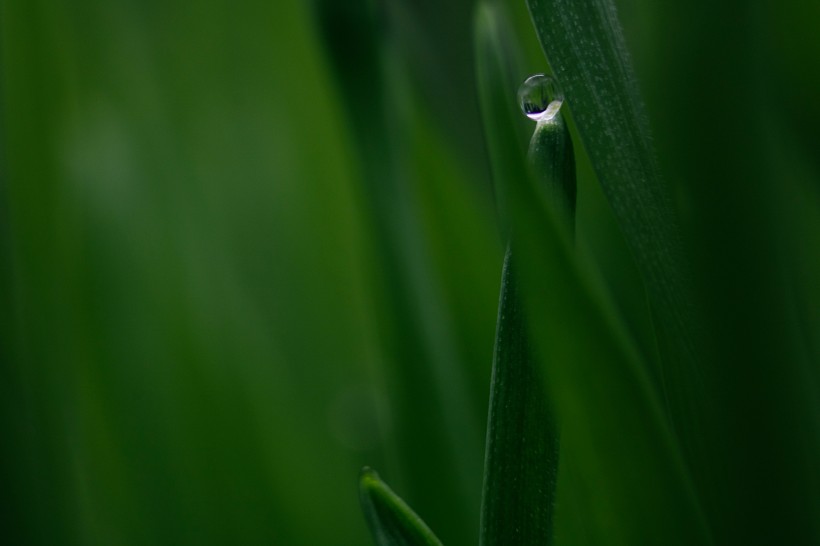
[540, 98]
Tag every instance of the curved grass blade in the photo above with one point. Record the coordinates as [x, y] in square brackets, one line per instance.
[586, 51]
[630, 484]
[391, 521]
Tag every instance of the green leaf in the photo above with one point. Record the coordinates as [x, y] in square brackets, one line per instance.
[391, 521]
[521, 459]
[552, 163]
[522, 443]
[629, 485]
[627, 463]
[585, 48]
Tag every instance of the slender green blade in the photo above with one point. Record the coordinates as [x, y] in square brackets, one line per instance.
[521, 459]
[612, 426]
[391, 521]
[626, 464]
[552, 164]
[522, 445]
[585, 48]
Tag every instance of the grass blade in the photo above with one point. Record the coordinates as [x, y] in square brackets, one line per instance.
[585, 47]
[391, 521]
[522, 444]
[521, 459]
[626, 463]
[612, 424]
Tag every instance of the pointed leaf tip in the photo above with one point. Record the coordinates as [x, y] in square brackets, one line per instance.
[391, 521]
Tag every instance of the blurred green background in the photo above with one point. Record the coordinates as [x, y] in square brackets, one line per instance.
[247, 248]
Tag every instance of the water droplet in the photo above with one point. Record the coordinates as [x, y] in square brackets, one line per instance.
[539, 97]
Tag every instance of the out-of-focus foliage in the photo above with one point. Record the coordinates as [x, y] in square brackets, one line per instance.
[224, 289]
